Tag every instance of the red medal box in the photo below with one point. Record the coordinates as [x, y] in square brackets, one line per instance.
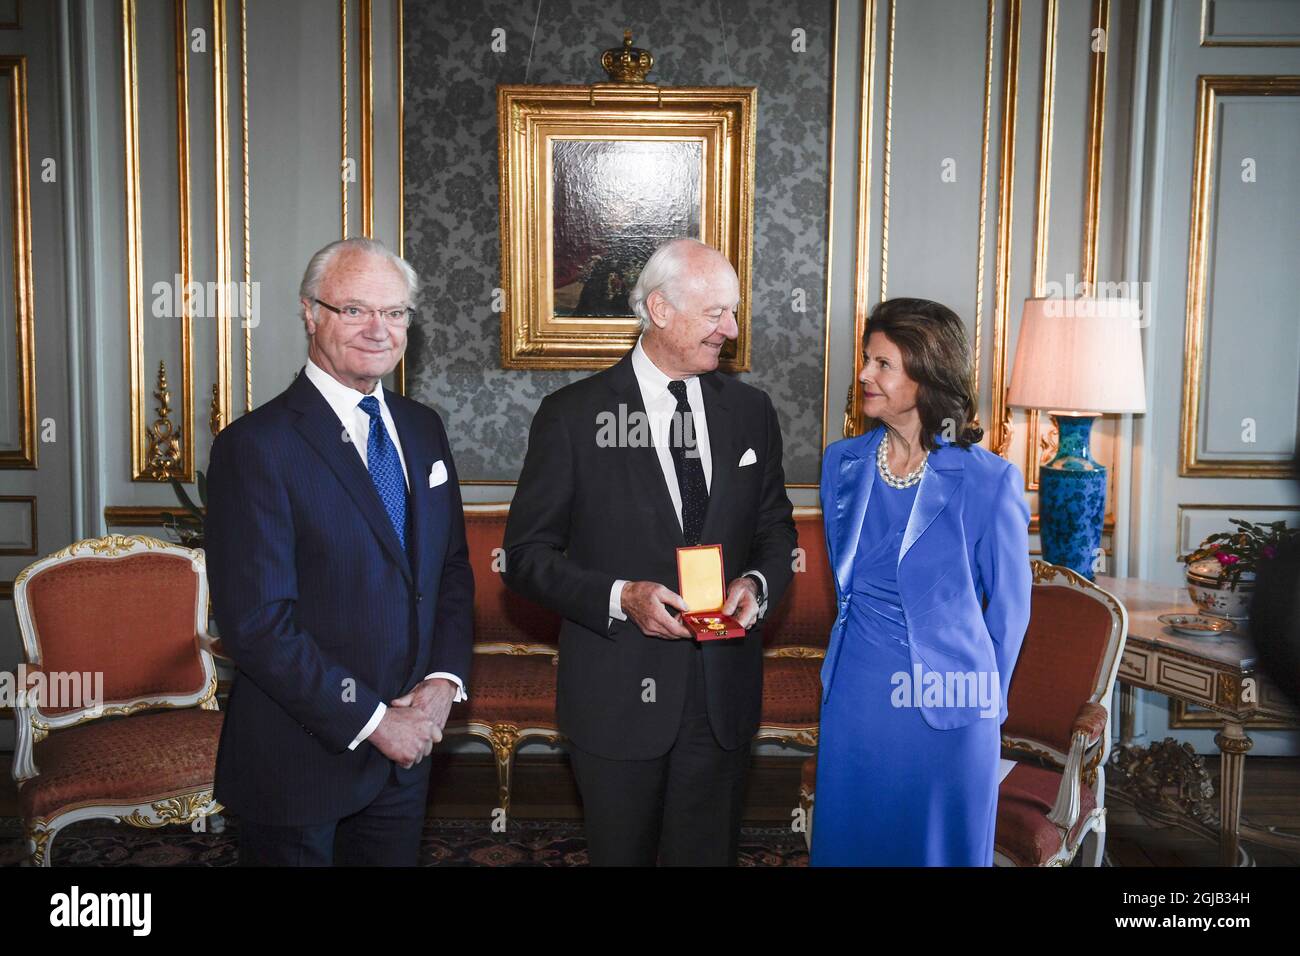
[701, 585]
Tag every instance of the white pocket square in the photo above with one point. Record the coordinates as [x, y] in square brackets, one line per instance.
[437, 474]
[748, 458]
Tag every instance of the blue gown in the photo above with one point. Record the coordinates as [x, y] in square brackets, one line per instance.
[891, 790]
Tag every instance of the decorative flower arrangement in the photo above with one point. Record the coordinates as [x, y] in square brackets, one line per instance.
[1240, 552]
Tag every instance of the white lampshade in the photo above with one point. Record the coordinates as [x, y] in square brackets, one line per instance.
[1079, 355]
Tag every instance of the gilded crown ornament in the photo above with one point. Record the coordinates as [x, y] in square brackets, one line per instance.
[627, 64]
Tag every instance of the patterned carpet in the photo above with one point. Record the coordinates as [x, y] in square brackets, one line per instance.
[444, 843]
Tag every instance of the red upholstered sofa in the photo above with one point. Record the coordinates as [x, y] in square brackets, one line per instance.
[512, 680]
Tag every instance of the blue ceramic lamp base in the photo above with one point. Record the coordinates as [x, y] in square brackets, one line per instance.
[1072, 499]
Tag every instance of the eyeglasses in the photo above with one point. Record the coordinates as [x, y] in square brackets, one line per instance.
[355, 315]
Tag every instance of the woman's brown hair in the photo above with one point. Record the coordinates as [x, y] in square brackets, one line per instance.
[937, 356]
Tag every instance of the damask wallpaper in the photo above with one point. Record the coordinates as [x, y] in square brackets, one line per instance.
[452, 69]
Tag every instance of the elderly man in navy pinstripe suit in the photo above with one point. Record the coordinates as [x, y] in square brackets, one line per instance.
[341, 585]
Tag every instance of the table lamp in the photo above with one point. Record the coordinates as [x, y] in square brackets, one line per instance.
[1076, 359]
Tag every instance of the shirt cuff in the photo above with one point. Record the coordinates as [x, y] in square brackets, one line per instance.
[762, 597]
[461, 693]
[616, 601]
[371, 724]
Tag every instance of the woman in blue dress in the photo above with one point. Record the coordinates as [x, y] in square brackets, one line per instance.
[928, 541]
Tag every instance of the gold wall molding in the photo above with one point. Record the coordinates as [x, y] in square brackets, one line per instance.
[134, 250]
[1192, 464]
[1034, 447]
[830, 212]
[1045, 137]
[862, 254]
[1000, 436]
[248, 216]
[137, 516]
[401, 136]
[343, 114]
[186, 258]
[977, 354]
[367, 79]
[400, 374]
[221, 146]
[25, 455]
[1207, 39]
[888, 142]
[1096, 131]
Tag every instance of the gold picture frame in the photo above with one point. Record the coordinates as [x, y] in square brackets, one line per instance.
[1193, 460]
[666, 161]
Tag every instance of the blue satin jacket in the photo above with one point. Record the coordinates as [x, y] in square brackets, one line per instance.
[963, 567]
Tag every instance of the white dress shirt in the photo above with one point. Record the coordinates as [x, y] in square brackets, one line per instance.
[346, 402]
[660, 406]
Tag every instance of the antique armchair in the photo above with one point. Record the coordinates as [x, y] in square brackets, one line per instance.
[127, 727]
[1058, 723]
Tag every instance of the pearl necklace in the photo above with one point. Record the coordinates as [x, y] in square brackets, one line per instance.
[894, 481]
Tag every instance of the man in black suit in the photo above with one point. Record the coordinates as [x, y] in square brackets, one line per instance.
[341, 585]
[657, 452]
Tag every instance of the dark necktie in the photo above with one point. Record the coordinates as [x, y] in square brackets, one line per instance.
[690, 470]
[385, 468]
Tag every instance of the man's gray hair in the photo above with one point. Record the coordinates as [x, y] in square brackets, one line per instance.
[661, 273]
[320, 262]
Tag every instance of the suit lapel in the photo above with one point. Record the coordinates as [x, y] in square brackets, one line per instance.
[324, 432]
[856, 479]
[940, 480]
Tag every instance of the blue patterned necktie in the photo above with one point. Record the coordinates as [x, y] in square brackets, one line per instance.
[385, 468]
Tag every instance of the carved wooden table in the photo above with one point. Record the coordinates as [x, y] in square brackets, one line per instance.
[1166, 781]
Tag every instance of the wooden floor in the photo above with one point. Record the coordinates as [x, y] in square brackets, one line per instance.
[464, 786]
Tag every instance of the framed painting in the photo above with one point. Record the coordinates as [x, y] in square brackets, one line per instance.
[592, 180]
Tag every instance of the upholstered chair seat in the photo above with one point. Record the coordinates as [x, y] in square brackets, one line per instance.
[1025, 835]
[513, 689]
[791, 699]
[145, 758]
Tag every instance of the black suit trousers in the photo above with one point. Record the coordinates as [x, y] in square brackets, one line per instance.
[680, 809]
[385, 832]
